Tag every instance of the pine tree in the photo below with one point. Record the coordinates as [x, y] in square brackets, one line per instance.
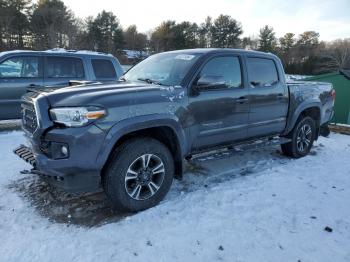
[267, 39]
[226, 32]
[106, 33]
[14, 23]
[185, 35]
[52, 24]
[287, 42]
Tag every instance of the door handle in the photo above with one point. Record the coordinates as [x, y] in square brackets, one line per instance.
[242, 100]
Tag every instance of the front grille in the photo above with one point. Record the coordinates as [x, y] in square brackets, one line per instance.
[29, 121]
[29, 118]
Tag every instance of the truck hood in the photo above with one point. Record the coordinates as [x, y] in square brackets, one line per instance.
[110, 94]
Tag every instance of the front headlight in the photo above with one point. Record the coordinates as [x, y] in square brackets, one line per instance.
[76, 116]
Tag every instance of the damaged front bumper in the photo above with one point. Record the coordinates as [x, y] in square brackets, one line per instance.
[77, 171]
[74, 182]
[27, 155]
[66, 157]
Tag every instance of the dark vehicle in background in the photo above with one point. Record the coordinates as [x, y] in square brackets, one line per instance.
[131, 137]
[20, 70]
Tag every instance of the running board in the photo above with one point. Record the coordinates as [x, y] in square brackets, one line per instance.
[231, 150]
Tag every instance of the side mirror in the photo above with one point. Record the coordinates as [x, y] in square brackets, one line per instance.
[208, 82]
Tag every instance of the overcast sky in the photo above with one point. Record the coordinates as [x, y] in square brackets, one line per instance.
[331, 18]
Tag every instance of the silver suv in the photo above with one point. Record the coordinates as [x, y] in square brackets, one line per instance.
[55, 68]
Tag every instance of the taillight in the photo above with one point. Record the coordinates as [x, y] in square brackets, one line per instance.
[333, 93]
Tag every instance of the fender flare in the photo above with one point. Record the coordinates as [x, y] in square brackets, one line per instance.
[138, 123]
[300, 108]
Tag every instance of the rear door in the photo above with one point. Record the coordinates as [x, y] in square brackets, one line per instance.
[59, 70]
[268, 96]
[104, 69]
[17, 73]
[219, 112]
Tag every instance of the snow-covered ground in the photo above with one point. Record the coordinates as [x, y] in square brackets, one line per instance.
[254, 206]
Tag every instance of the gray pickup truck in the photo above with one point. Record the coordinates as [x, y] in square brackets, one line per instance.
[21, 70]
[132, 136]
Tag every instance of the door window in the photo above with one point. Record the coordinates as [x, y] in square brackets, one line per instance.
[20, 67]
[262, 72]
[64, 67]
[225, 70]
[103, 68]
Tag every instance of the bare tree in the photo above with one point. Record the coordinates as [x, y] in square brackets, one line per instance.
[205, 36]
[163, 36]
[337, 55]
[133, 39]
[250, 43]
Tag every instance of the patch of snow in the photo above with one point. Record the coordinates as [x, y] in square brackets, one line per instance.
[6, 122]
[174, 93]
[132, 54]
[295, 77]
[253, 206]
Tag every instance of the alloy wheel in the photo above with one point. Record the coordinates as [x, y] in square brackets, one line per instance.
[304, 138]
[144, 177]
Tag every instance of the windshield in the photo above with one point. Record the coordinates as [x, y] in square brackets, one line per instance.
[163, 69]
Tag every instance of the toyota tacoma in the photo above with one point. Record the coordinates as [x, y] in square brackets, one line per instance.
[131, 137]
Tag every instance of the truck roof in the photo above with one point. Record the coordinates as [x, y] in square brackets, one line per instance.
[222, 50]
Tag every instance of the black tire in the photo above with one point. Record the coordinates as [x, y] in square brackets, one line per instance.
[300, 141]
[126, 173]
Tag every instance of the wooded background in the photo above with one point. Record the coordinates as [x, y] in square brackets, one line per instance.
[49, 24]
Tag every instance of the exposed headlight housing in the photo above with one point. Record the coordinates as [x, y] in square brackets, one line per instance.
[76, 116]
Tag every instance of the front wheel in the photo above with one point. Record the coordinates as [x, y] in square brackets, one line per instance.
[139, 174]
[303, 136]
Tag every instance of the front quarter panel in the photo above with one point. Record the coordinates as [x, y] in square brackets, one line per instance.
[163, 107]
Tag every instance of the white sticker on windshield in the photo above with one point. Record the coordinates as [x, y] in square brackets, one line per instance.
[184, 57]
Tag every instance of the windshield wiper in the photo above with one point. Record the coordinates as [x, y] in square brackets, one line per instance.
[150, 81]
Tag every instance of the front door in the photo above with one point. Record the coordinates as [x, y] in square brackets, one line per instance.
[17, 73]
[59, 70]
[218, 104]
[268, 96]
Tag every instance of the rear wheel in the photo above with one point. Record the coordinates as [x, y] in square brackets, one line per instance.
[139, 174]
[303, 136]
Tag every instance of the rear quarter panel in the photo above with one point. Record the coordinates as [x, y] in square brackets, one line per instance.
[304, 95]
